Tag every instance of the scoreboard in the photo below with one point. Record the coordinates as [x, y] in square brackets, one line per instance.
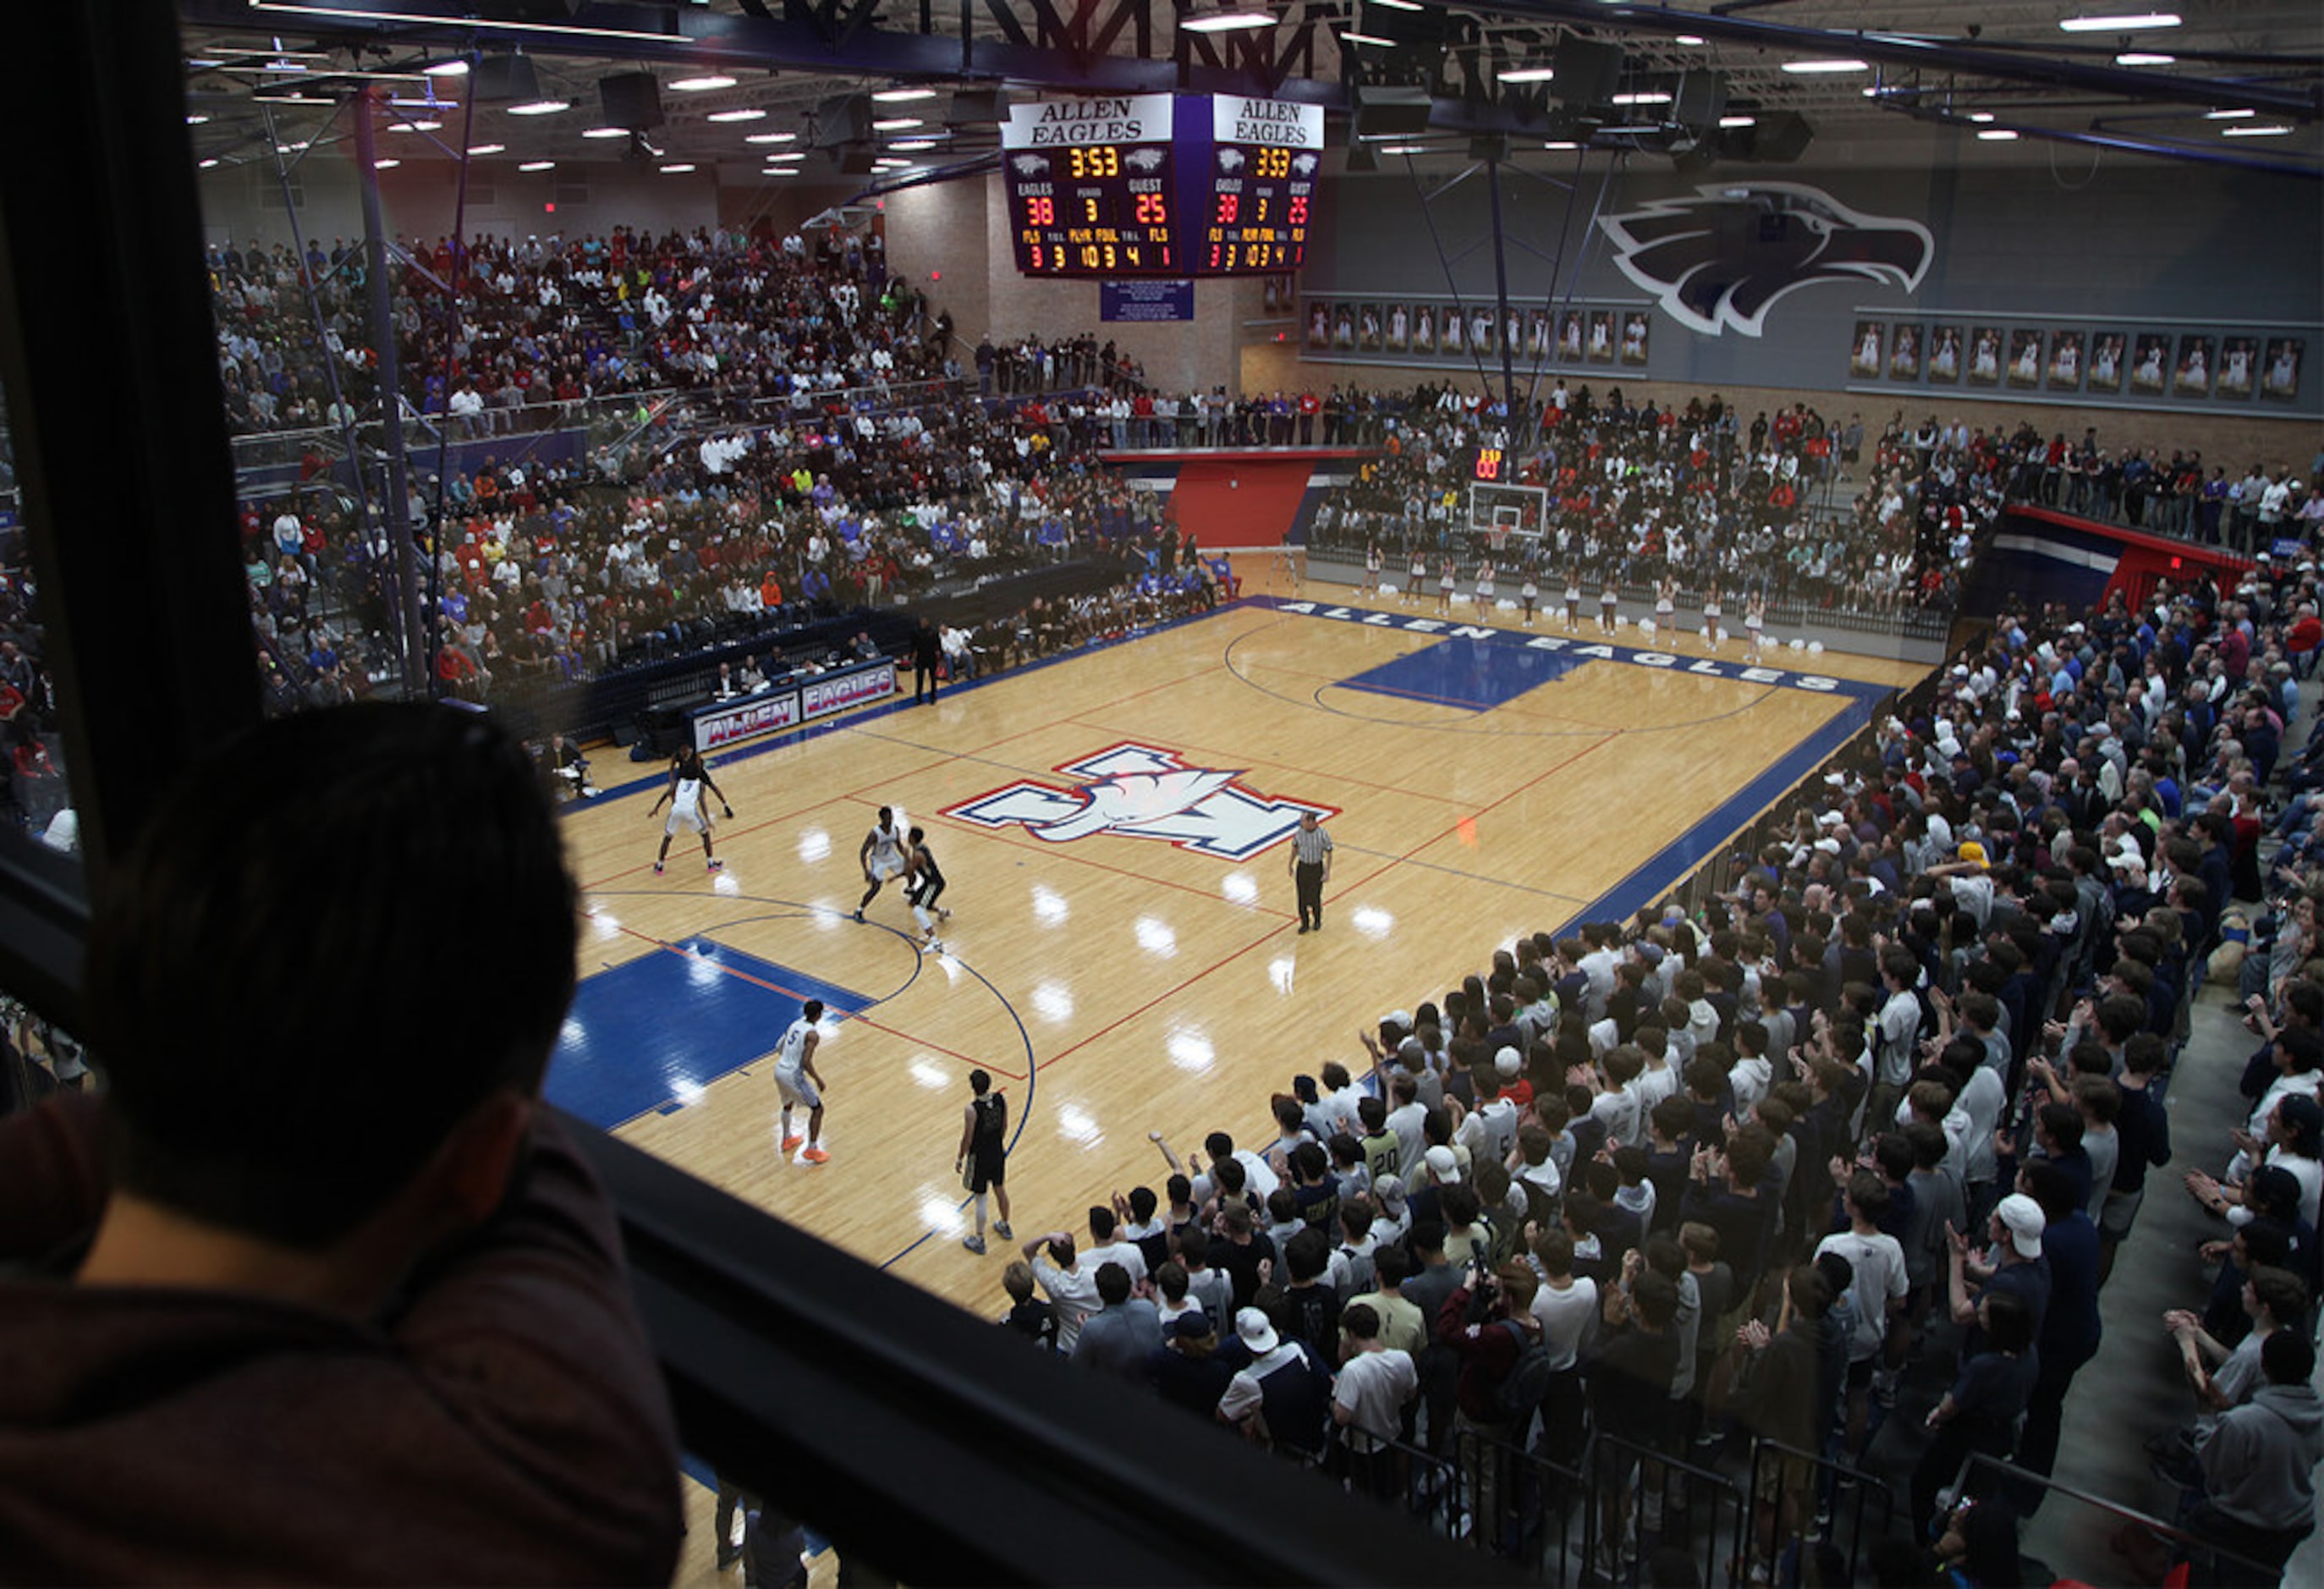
[1160, 185]
[1264, 157]
[1091, 187]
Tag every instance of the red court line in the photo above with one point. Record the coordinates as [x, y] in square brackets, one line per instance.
[1169, 993]
[1230, 959]
[856, 1017]
[1437, 837]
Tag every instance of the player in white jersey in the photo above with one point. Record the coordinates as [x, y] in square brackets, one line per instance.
[882, 857]
[797, 1083]
[687, 779]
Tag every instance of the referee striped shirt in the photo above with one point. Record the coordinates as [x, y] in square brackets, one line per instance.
[1311, 845]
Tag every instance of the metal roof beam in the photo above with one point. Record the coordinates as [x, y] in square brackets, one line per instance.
[1931, 54]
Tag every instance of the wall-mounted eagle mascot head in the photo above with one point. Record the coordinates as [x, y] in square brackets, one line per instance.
[1723, 256]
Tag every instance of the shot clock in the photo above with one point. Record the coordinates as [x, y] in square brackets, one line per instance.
[1157, 185]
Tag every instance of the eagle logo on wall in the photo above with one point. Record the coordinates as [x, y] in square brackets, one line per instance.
[1723, 256]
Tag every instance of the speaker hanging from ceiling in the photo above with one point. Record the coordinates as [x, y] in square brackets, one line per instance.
[1588, 71]
[631, 100]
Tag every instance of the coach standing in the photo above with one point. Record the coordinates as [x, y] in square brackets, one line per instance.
[1311, 869]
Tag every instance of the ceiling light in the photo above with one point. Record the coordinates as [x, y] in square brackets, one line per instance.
[788, 154]
[896, 123]
[903, 96]
[1229, 22]
[2258, 130]
[1997, 136]
[456, 68]
[2228, 115]
[1810, 67]
[1650, 96]
[771, 138]
[385, 165]
[1688, 39]
[1980, 116]
[1405, 149]
[199, 117]
[489, 149]
[702, 85]
[1527, 74]
[1631, 132]
[1372, 39]
[679, 169]
[780, 170]
[414, 126]
[541, 108]
[538, 165]
[1561, 143]
[606, 132]
[207, 164]
[1400, 5]
[1739, 121]
[747, 114]
[2119, 25]
[303, 143]
[2142, 57]
[910, 145]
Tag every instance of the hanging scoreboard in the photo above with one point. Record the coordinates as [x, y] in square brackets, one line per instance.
[1265, 156]
[1157, 185]
[1090, 187]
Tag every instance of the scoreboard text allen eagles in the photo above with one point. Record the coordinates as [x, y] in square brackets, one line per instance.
[1152, 184]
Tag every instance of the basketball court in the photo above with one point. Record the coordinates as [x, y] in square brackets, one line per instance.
[1123, 956]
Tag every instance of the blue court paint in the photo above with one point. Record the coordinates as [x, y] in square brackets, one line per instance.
[1503, 644]
[1702, 840]
[653, 1032]
[1464, 671]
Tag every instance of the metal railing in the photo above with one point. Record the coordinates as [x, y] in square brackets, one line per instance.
[2208, 1564]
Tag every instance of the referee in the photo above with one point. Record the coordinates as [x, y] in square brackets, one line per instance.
[1311, 869]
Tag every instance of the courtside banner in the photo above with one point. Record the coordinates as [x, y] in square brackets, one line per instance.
[820, 697]
[746, 719]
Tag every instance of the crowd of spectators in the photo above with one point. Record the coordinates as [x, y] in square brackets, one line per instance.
[1841, 1161]
[733, 319]
[2139, 487]
[1794, 510]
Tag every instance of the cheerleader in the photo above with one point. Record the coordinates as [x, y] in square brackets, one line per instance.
[1372, 568]
[1419, 579]
[1485, 586]
[1608, 620]
[1528, 592]
[1446, 580]
[1665, 604]
[1711, 615]
[1574, 598]
[1755, 619]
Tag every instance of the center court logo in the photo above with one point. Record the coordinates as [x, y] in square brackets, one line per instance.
[1141, 791]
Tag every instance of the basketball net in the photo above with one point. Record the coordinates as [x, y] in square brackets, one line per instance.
[1496, 536]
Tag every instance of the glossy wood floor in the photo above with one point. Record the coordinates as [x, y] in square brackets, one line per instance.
[1116, 985]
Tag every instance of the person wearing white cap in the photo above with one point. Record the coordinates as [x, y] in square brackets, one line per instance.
[2012, 1264]
[1284, 1383]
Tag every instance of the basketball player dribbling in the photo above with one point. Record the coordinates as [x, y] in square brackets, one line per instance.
[798, 1085]
[924, 880]
[882, 855]
[687, 779]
